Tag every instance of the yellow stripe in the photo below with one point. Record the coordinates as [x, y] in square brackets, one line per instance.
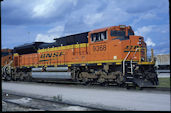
[99, 64]
[16, 54]
[105, 61]
[118, 62]
[63, 47]
[82, 64]
[146, 63]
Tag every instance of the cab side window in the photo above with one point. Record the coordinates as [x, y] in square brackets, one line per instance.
[98, 36]
[121, 35]
[117, 33]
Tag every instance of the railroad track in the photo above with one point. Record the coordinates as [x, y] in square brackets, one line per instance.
[38, 103]
[20, 106]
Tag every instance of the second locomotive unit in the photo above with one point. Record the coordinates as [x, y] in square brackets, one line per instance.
[111, 55]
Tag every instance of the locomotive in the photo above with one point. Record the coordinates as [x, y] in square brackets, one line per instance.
[111, 55]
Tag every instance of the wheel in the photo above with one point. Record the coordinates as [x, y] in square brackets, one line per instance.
[86, 83]
[104, 84]
[139, 88]
[119, 78]
[127, 87]
[20, 76]
[8, 78]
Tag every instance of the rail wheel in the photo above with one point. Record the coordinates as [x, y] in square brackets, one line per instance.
[21, 78]
[119, 78]
[85, 80]
[104, 84]
[8, 78]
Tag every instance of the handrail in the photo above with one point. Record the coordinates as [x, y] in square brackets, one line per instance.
[139, 55]
[139, 58]
[124, 63]
[132, 59]
[135, 53]
[152, 56]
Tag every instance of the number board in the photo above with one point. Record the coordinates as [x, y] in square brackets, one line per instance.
[99, 48]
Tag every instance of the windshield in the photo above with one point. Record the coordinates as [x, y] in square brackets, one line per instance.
[117, 33]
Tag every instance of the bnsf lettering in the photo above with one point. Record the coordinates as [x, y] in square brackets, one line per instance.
[48, 55]
[99, 48]
[51, 55]
[131, 47]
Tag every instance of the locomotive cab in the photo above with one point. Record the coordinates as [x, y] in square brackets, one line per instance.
[118, 44]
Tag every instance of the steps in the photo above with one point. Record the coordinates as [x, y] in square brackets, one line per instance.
[129, 73]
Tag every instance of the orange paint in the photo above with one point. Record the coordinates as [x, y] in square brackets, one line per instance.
[109, 49]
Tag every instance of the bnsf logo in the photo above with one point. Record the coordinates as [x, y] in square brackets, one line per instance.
[99, 48]
[131, 47]
[52, 55]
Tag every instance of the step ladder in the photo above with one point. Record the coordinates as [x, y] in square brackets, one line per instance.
[129, 79]
[129, 73]
[130, 68]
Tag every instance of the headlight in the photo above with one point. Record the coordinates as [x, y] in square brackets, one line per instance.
[122, 26]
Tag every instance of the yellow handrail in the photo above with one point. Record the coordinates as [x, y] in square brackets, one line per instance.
[140, 54]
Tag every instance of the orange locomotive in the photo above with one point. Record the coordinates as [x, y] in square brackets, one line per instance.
[112, 55]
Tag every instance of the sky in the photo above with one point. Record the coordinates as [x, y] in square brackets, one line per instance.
[27, 21]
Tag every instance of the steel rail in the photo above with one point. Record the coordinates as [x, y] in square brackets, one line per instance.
[55, 102]
[23, 105]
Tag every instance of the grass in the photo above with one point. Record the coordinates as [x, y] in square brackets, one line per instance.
[164, 82]
[57, 98]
